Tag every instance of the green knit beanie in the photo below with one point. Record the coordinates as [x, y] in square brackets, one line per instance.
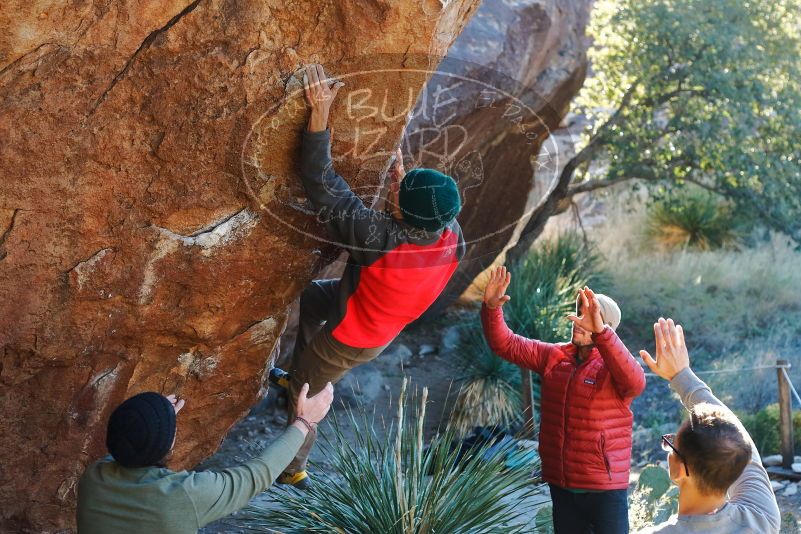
[428, 199]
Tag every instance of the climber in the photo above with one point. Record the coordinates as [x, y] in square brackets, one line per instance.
[722, 485]
[399, 260]
[585, 427]
[133, 491]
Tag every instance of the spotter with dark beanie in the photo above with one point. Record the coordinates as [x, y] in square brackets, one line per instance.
[400, 260]
[723, 488]
[132, 490]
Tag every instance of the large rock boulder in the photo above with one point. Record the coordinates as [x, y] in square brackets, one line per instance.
[152, 227]
[504, 88]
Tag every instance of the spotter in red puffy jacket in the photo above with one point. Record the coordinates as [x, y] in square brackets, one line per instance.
[585, 423]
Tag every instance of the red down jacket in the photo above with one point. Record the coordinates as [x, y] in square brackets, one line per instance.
[585, 425]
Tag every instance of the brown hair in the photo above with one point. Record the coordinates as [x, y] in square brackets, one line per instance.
[714, 447]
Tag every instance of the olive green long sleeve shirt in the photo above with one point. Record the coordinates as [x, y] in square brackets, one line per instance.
[157, 500]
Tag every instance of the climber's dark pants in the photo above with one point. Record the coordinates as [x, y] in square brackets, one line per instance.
[318, 358]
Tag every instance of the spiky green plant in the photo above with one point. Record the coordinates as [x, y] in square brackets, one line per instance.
[545, 284]
[490, 386]
[397, 485]
[692, 221]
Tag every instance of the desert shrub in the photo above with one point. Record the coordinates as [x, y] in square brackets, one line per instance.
[689, 220]
[763, 426]
[545, 284]
[490, 386]
[398, 485]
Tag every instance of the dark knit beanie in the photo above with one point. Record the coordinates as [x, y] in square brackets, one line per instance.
[141, 430]
[428, 199]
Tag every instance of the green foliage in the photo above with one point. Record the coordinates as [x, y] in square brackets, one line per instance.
[692, 221]
[790, 525]
[738, 308]
[654, 500]
[544, 287]
[543, 521]
[654, 483]
[396, 485]
[704, 92]
[763, 426]
[490, 391]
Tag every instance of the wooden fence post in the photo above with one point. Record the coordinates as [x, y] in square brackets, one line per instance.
[785, 415]
[528, 404]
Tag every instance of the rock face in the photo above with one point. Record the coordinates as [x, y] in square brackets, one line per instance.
[513, 71]
[152, 228]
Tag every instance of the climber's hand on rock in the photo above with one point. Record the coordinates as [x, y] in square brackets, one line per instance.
[320, 92]
[397, 172]
[177, 403]
[313, 409]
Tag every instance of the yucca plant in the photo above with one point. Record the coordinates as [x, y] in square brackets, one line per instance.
[692, 221]
[545, 285]
[397, 485]
[490, 386]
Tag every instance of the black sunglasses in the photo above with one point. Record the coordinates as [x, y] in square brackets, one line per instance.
[667, 446]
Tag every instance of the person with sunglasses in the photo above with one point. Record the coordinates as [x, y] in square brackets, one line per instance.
[723, 487]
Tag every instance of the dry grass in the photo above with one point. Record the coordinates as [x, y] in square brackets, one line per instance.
[739, 308]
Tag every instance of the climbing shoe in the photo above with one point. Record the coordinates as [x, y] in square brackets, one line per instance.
[279, 377]
[298, 480]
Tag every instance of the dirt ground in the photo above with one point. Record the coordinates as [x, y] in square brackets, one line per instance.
[425, 355]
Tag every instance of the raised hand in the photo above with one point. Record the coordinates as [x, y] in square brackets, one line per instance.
[671, 350]
[495, 291]
[314, 409]
[320, 92]
[396, 174]
[590, 318]
[396, 171]
[177, 403]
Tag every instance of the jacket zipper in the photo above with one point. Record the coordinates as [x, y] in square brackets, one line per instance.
[606, 458]
[567, 406]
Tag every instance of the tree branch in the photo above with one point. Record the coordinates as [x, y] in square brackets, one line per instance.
[703, 185]
[592, 185]
[658, 101]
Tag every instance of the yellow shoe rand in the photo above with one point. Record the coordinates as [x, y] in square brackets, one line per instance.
[292, 478]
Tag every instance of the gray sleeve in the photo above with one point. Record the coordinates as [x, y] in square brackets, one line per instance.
[216, 494]
[752, 490]
[348, 221]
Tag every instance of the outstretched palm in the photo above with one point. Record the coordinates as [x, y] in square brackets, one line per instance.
[590, 318]
[671, 350]
[495, 291]
[320, 92]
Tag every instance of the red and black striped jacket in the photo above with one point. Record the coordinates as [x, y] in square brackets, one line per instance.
[394, 271]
